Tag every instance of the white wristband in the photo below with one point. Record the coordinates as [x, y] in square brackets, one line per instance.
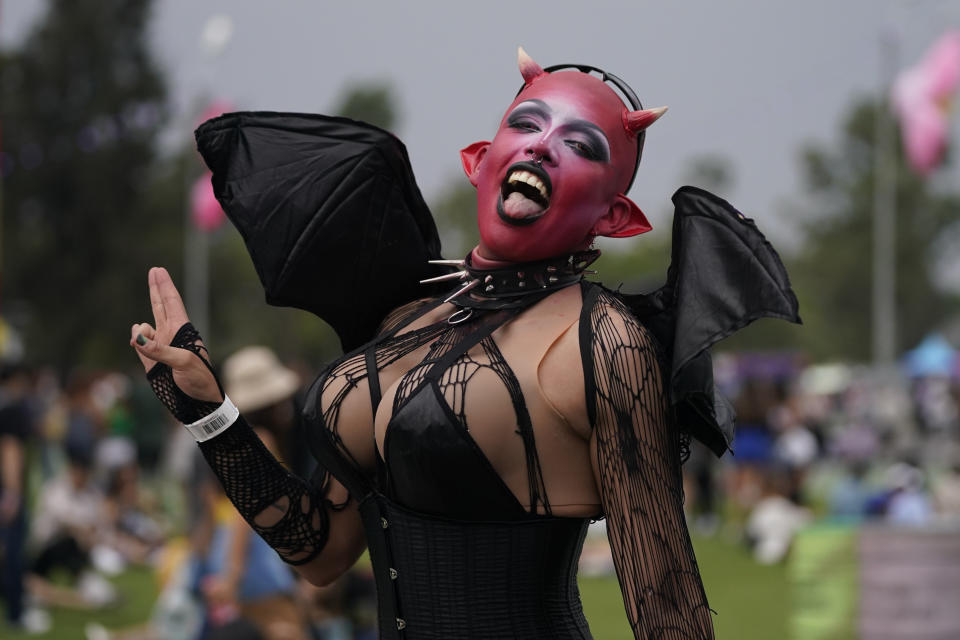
[218, 421]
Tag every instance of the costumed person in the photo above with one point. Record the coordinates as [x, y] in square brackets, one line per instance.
[468, 437]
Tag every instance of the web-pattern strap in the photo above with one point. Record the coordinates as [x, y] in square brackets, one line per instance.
[638, 462]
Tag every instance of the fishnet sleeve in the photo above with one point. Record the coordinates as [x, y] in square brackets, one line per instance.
[289, 514]
[637, 466]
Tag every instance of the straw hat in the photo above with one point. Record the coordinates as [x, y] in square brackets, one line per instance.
[255, 379]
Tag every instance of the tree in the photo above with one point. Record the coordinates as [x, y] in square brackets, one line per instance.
[80, 103]
[832, 273]
[372, 102]
[455, 211]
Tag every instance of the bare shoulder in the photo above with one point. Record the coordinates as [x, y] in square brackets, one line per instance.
[614, 343]
[560, 371]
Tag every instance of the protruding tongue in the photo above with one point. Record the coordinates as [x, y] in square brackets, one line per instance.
[518, 205]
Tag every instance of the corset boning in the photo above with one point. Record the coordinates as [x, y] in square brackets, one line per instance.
[441, 579]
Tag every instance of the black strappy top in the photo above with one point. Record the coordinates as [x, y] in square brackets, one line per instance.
[430, 461]
[455, 553]
[434, 466]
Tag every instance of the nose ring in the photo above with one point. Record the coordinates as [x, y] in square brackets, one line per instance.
[537, 158]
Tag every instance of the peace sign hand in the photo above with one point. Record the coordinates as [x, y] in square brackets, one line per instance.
[173, 354]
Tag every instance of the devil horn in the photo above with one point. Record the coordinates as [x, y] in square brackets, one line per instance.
[637, 121]
[529, 69]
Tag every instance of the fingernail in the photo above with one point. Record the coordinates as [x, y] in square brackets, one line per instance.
[141, 340]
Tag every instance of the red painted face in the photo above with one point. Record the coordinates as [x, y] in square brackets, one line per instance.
[553, 176]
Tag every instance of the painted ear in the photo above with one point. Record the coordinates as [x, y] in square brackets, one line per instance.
[471, 156]
[624, 219]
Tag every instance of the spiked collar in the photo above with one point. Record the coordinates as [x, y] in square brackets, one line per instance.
[515, 284]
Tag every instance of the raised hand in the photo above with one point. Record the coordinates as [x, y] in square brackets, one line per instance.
[173, 355]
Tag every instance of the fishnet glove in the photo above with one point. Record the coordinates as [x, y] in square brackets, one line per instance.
[290, 515]
[183, 407]
[278, 505]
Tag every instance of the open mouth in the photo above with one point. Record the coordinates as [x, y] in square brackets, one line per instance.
[524, 194]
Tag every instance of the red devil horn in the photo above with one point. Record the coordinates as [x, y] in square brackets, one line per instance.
[529, 69]
[637, 121]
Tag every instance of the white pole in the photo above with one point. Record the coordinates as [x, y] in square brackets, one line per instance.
[196, 265]
[214, 38]
[884, 214]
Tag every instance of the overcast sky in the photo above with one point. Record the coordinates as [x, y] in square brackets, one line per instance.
[750, 80]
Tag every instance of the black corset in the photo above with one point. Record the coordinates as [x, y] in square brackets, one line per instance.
[441, 579]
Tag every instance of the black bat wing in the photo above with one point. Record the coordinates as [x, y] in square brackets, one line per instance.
[723, 275]
[330, 213]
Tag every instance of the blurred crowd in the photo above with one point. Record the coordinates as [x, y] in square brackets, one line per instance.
[834, 443]
[96, 478]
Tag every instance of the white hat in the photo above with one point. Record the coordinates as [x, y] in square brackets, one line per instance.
[255, 379]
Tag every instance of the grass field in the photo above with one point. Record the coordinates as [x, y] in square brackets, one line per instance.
[751, 600]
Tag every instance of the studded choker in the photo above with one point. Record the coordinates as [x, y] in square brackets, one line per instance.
[511, 286]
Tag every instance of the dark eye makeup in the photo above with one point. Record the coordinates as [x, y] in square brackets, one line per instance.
[589, 141]
[584, 149]
[523, 124]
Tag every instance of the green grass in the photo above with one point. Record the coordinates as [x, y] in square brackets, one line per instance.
[138, 590]
[751, 600]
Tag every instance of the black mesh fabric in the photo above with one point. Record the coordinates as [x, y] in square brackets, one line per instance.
[184, 408]
[440, 579]
[324, 400]
[278, 505]
[638, 469]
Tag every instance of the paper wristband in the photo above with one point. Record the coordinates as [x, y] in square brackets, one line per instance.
[211, 425]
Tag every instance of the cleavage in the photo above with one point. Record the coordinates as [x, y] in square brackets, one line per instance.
[472, 391]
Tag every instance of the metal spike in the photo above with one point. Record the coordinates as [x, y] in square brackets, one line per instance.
[488, 279]
[459, 275]
[467, 287]
[448, 263]
[489, 288]
[552, 279]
